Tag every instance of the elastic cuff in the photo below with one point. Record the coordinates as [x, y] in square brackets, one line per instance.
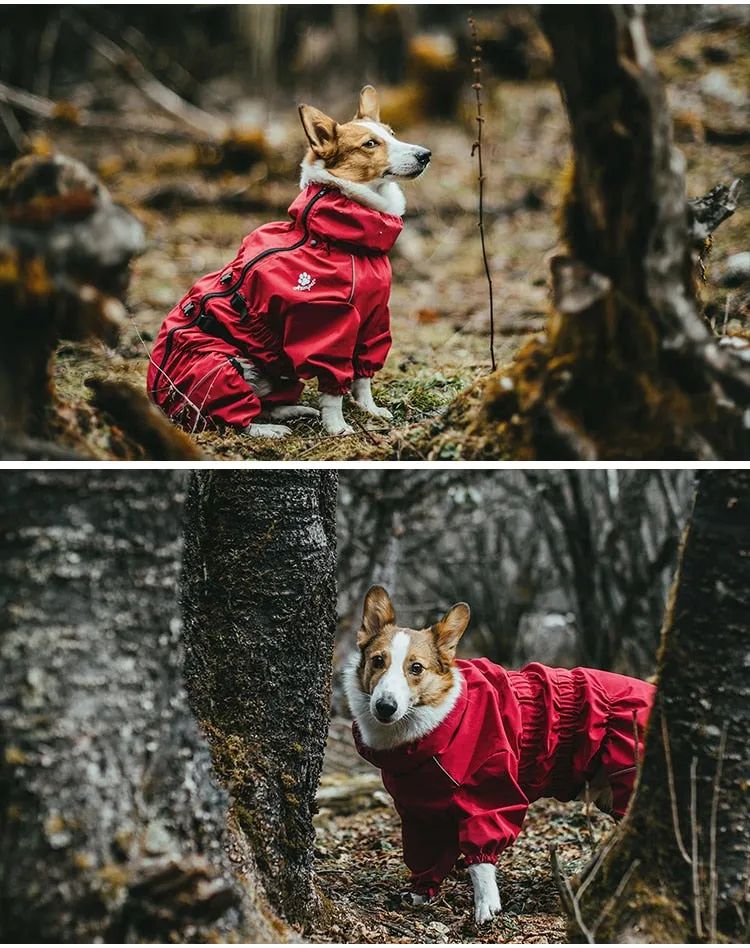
[331, 388]
[361, 373]
[482, 857]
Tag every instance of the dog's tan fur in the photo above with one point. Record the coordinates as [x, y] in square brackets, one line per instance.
[433, 649]
[351, 151]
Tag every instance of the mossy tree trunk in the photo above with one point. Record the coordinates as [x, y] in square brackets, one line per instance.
[628, 368]
[686, 838]
[259, 604]
[111, 823]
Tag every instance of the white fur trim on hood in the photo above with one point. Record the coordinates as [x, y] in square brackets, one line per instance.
[384, 196]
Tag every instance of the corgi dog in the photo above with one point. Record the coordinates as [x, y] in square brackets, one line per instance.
[301, 300]
[465, 746]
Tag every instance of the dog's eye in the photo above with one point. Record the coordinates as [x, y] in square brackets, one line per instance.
[378, 661]
[416, 668]
[371, 143]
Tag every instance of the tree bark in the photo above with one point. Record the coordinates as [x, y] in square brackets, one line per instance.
[259, 603]
[628, 368]
[688, 828]
[111, 824]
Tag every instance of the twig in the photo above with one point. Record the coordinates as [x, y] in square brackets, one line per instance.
[617, 894]
[672, 790]
[59, 111]
[637, 746]
[713, 874]
[694, 847]
[13, 127]
[572, 904]
[476, 148]
[202, 123]
[726, 315]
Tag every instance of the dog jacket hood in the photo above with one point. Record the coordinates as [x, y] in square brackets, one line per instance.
[306, 298]
[511, 738]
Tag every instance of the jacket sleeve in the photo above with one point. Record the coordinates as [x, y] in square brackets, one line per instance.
[319, 339]
[373, 341]
[430, 850]
[492, 809]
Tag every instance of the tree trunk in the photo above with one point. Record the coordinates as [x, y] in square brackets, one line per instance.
[686, 838]
[259, 602]
[628, 368]
[111, 824]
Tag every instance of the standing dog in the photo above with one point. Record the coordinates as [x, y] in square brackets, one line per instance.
[301, 300]
[465, 746]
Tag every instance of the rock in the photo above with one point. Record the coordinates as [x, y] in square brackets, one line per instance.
[737, 270]
[717, 85]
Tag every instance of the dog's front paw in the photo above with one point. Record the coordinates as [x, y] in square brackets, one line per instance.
[332, 415]
[292, 412]
[414, 899]
[268, 431]
[487, 908]
[377, 411]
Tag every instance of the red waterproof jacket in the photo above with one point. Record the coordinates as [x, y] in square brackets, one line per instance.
[512, 737]
[302, 299]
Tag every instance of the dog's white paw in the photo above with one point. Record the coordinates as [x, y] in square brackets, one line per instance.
[362, 398]
[268, 431]
[414, 899]
[377, 411]
[486, 909]
[332, 415]
[291, 412]
[486, 896]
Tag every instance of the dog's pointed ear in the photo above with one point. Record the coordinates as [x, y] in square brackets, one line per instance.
[378, 612]
[321, 131]
[451, 627]
[369, 106]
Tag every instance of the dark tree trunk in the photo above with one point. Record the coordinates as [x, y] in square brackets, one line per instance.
[259, 602]
[111, 824]
[628, 368]
[696, 889]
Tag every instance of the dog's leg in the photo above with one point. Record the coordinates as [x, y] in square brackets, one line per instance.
[486, 896]
[290, 412]
[362, 396]
[332, 415]
[268, 431]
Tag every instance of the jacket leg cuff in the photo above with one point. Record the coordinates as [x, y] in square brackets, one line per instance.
[332, 388]
[482, 857]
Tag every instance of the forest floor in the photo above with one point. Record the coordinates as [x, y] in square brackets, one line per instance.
[361, 873]
[196, 219]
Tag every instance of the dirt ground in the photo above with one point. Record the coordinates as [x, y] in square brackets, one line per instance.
[439, 306]
[361, 873]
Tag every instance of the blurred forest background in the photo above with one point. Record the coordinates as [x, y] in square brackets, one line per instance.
[189, 115]
[561, 567]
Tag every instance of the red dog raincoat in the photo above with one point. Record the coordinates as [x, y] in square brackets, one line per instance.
[306, 299]
[512, 737]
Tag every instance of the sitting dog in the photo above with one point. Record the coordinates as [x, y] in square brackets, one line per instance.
[301, 300]
[465, 746]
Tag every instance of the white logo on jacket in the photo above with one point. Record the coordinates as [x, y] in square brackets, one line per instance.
[305, 282]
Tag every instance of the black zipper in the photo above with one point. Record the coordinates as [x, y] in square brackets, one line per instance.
[234, 287]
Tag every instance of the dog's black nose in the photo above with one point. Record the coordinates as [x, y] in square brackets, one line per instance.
[423, 156]
[385, 708]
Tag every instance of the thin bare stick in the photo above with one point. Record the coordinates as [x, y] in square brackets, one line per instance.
[616, 895]
[605, 850]
[13, 127]
[713, 873]
[567, 895]
[694, 847]
[476, 149]
[101, 121]
[637, 746]
[672, 790]
[201, 123]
